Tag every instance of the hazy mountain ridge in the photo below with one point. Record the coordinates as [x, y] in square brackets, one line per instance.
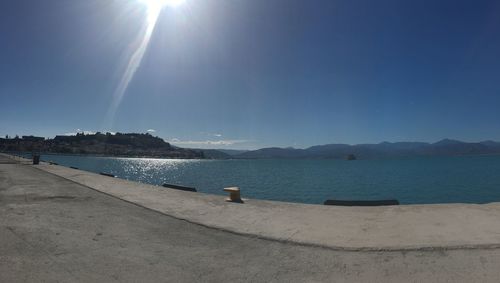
[145, 145]
[445, 147]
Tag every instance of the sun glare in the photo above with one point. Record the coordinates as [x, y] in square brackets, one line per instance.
[159, 4]
[154, 8]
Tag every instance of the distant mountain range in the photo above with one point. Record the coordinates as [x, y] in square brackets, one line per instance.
[145, 145]
[446, 147]
[220, 153]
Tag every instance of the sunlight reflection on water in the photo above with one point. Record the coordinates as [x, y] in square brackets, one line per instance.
[417, 180]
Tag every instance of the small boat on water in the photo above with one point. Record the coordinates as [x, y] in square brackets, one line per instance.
[351, 157]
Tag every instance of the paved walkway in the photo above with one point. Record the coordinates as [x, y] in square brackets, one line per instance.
[55, 230]
[409, 227]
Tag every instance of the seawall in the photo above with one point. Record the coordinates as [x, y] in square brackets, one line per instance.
[405, 227]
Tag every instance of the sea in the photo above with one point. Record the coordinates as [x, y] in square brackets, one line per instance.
[420, 180]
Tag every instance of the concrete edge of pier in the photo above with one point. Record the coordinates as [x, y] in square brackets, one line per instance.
[405, 227]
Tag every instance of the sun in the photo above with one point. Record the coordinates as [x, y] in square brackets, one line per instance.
[159, 4]
[154, 8]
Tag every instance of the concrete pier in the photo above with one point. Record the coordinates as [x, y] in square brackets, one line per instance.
[63, 224]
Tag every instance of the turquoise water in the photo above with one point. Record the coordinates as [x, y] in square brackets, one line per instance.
[470, 179]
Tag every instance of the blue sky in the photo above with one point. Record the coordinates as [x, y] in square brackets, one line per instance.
[254, 73]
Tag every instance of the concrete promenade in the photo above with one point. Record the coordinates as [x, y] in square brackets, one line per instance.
[63, 225]
[409, 227]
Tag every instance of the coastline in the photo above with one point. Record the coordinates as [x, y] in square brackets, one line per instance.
[102, 155]
[57, 230]
[411, 180]
[251, 158]
[405, 227]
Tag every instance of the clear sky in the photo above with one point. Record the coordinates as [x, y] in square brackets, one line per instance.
[253, 73]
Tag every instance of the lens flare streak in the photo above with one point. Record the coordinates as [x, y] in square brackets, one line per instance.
[153, 12]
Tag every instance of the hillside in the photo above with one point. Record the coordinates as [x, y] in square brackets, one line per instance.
[118, 144]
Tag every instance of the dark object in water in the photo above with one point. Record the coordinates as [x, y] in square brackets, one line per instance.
[361, 202]
[351, 157]
[182, 188]
[72, 167]
[53, 163]
[107, 174]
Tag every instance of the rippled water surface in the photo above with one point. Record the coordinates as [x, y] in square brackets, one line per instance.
[472, 179]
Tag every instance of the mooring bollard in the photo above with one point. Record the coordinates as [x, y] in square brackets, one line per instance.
[234, 194]
[36, 159]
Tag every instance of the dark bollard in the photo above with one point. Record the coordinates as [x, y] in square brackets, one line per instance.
[36, 159]
[361, 202]
[107, 174]
[177, 187]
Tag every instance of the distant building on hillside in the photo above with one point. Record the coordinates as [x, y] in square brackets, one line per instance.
[33, 138]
